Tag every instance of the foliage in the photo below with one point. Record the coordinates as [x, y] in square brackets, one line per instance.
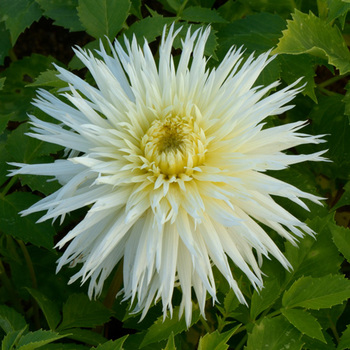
[306, 308]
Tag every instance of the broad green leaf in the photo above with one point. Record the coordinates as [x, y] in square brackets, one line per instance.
[34, 340]
[304, 322]
[18, 15]
[256, 33]
[49, 309]
[5, 42]
[112, 344]
[311, 343]
[85, 336]
[103, 17]
[274, 334]
[265, 298]
[24, 228]
[337, 9]
[135, 8]
[284, 7]
[293, 67]
[314, 256]
[80, 311]
[65, 346]
[309, 34]
[11, 339]
[25, 149]
[232, 10]
[341, 238]
[162, 330]
[63, 12]
[344, 342]
[317, 293]
[231, 302]
[148, 28]
[346, 101]
[202, 15]
[170, 345]
[11, 320]
[48, 78]
[328, 119]
[15, 97]
[215, 340]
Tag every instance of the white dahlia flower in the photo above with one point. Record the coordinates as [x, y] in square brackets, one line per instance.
[171, 161]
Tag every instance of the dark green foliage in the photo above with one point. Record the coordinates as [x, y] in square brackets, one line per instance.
[305, 308]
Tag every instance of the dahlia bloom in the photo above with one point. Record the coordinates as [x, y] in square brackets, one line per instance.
[171, 162]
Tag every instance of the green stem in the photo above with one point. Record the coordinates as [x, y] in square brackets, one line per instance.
[33, 279]
[242, 342]
[179, 13]
[205, 325]
[327, 92]
[9, 185]
[331, 81]
[334, 331]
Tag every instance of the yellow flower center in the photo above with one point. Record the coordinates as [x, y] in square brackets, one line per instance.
[174, 146]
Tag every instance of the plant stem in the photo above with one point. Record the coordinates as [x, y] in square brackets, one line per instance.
[242, 342]
[33, 279]
[9, 185]
[331, 81]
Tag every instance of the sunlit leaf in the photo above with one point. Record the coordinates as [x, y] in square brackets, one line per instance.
[317, 293]
[307, 33]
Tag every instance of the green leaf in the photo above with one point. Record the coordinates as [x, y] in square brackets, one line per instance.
[215, 340]
[162, 330]
[34, 340]
[18, 15]
[49, 309]
[344, 342]
[274, 334]
[293, 67]
[337, 8]
[103, 17]
[85, 336]
[5, 42]
[336, 129]
[265, 298]
[256, 33]
[26, 149]
[112, 344]
[148, 28]
[314, 256]
[317, 293]
[48, 78]
[15, 97]
[284, 7]
[170, 345]
[65, 346]
[63, 12]
[11, 320]
[24, 227]
[202, 15]
[309, 34]
[80, 311]
[341, 238]
[304, 322]
[11, 339]
[231, 302]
